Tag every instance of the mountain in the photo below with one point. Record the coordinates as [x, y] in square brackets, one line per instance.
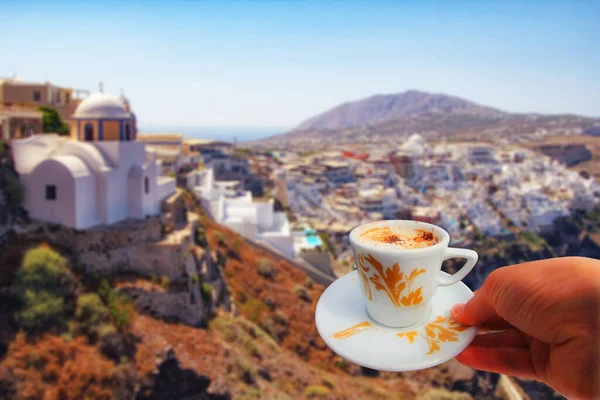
[388, 107]
[391, 117]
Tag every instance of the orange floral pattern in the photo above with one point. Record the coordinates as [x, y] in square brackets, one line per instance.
[409, 335]
[441, 330]
[353, 330]
[392, 281]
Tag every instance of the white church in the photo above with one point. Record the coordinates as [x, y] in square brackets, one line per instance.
[99, 175]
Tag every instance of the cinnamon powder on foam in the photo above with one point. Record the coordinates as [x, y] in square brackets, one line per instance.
[386, 236]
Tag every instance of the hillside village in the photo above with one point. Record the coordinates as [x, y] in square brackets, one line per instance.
[195, 265]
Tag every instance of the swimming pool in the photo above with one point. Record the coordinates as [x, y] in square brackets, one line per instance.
[311, 237]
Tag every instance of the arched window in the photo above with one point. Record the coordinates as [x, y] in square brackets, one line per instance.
[88, 132]
[127, 132]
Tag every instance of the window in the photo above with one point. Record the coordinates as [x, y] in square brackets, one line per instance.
[37, 95]
[146, 185]
[127, 132]
[50, 192]
[88, 132]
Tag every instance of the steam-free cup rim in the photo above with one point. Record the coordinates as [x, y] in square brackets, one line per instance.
[439, 232]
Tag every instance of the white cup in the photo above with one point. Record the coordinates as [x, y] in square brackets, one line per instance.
[399, 283]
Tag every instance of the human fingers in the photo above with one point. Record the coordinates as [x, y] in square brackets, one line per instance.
[494, 322]
[506, 339]
[475, 312]
[507, 360]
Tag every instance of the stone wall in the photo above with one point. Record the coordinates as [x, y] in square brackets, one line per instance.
[174, 306]
[183, 300]
[569, 155]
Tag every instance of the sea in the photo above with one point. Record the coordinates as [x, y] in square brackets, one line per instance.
[227, 134]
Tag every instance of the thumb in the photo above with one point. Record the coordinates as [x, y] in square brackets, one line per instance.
[475, 312]
[482, 309]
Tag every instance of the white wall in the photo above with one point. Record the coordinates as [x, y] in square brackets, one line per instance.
[264, 213]
[166, 188]
[246, 228]
[116, 196]
[123, 153]
[86, 202]
[60, 211]
[283, 243]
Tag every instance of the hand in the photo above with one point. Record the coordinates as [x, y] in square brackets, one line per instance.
[548, 313]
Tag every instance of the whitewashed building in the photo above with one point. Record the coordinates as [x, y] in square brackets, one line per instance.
[236, 209]
[100, 175]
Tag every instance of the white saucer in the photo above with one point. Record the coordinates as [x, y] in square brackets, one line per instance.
[346, 327]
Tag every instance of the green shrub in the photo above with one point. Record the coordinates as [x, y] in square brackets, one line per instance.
[52, 121]
[327, 243]
[316, 391]
[106, 330]
[44, 270]
[200, 238]
[121, 310]
[252, 348]
[42, 312]
[207, 291]
[90, 313]
[280, 318]
[236, 246]
[105, 291]
[252, 308]
[195, 278]
[327, 383]
[301, 293]
[342, 364]
[241, 297]
[265, 268]
[533, 238]
[14, 191]
[44, 283]
[246, 371]
[164, 281]
[220, 237]
[308, 282]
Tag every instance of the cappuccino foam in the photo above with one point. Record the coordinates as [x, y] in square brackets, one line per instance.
[405, 239]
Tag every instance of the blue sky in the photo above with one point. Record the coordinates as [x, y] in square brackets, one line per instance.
[274, 64]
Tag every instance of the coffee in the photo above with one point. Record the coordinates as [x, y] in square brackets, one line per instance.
[401, 239]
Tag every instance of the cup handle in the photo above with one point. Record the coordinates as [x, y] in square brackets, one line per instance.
[451, 252]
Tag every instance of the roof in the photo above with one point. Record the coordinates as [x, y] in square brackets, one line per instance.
[200, 142]
[10, 112]
[74, 164]
[18, 82]
[335, 164]
[101, 106]
[166, 152]
[160, 137]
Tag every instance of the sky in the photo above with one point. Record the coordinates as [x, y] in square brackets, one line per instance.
[273, 64]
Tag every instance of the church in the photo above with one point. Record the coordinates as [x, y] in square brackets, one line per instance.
[99, 175]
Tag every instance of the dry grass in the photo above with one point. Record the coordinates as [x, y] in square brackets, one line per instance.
[52, 368]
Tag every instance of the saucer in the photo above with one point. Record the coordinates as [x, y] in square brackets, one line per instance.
[346, 327]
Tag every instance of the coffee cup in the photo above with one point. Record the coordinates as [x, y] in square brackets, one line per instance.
[399, 264]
